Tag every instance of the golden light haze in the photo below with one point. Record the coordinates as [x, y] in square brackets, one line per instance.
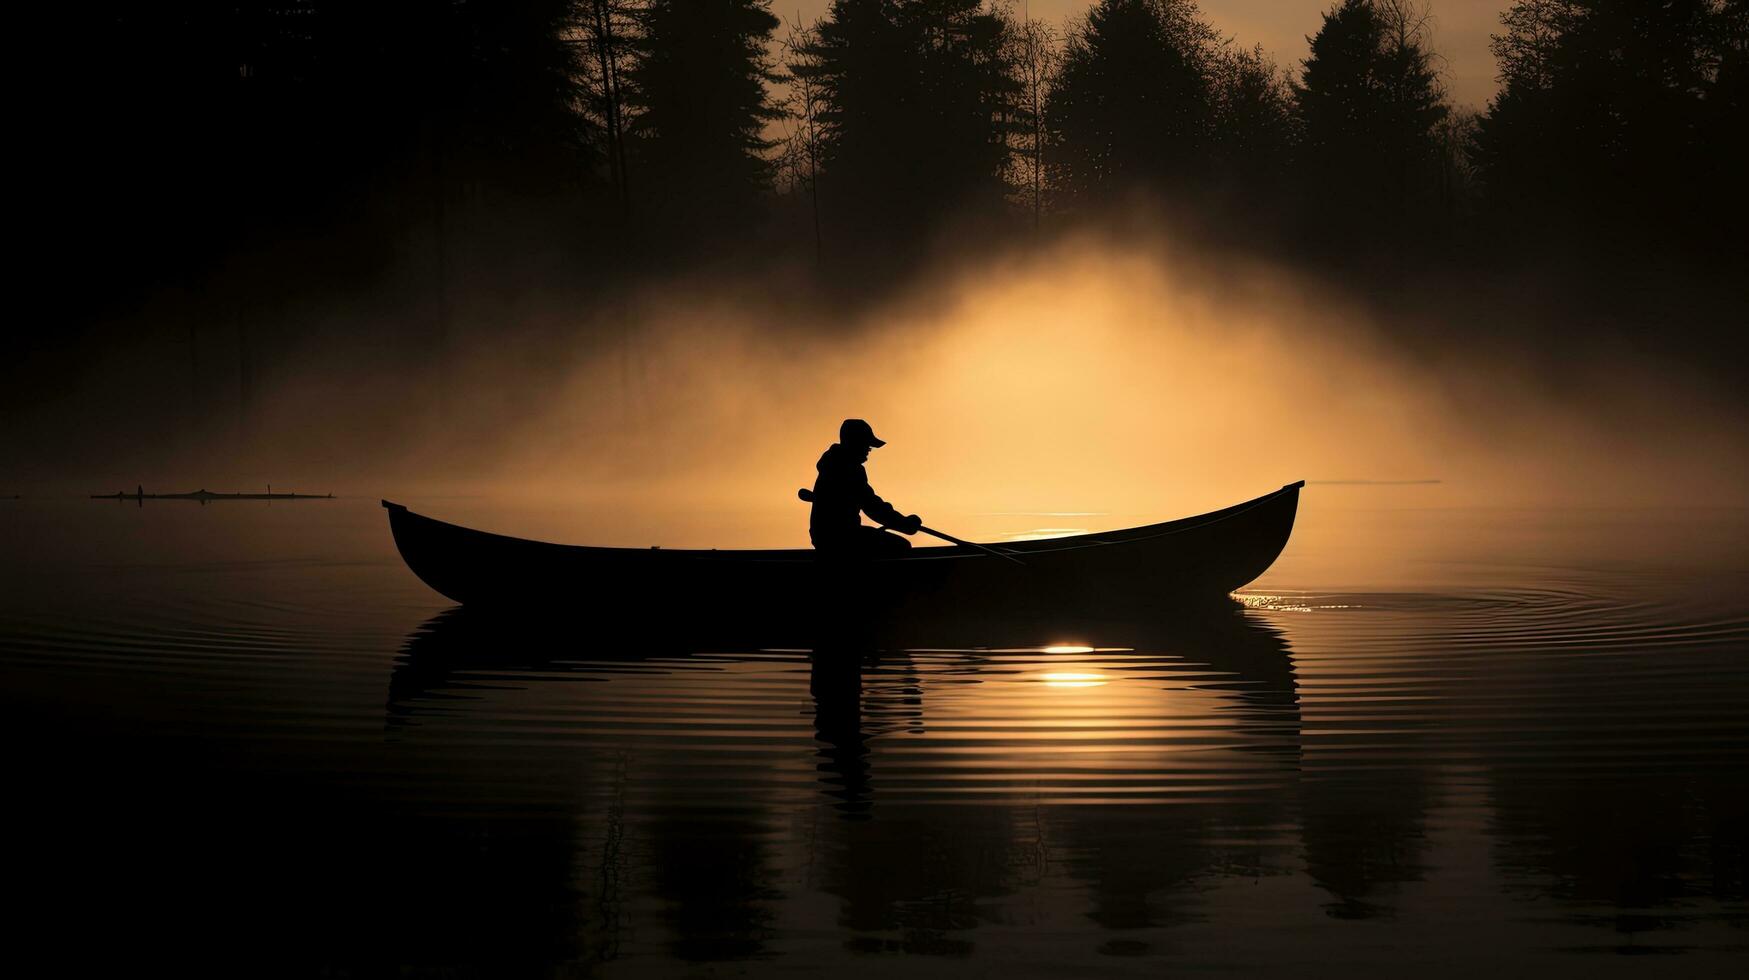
[1105, 380]
[1116, 383]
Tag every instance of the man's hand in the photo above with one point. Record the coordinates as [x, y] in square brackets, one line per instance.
[910, 525]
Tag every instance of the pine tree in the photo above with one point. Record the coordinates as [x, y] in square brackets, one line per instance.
[1608, 118]
[917, 101]
[1132, 103]
[701, 107]
[1369, 102]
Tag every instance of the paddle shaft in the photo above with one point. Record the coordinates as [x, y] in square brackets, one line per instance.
[808, 495]
[971, 544]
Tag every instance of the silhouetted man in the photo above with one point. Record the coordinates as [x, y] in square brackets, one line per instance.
[842, 492]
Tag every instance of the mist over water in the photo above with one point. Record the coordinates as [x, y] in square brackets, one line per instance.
[1094, 374]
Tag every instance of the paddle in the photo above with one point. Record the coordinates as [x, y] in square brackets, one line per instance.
[808, 495]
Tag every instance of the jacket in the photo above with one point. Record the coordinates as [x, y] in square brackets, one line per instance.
[841, 492]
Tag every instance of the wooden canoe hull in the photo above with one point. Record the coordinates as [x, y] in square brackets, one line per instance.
[1196, 559]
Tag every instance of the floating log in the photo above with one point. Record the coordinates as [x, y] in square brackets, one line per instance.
[204, 495]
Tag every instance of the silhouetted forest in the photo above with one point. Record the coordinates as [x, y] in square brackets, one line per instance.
[228, 162]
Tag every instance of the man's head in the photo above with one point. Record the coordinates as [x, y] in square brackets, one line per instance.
[856, 434]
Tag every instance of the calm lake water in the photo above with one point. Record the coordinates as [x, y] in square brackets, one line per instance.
[1439, 741]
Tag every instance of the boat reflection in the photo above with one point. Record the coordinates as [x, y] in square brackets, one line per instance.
[917, 782]
[1211, 680]
[1021, 740]
[835, 683]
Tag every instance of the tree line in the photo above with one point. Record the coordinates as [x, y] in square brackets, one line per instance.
[193, 132]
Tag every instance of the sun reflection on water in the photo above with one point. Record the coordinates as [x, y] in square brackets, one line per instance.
[1044, 534]
[1073, 678]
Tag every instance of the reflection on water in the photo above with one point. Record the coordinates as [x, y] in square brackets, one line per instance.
[1184, 710]
[308, 762]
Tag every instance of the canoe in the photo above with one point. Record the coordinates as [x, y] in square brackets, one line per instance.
[1194, 559]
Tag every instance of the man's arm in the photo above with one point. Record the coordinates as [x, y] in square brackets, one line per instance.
[886, 514]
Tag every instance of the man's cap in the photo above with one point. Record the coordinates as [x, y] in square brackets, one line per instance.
[856, 432]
